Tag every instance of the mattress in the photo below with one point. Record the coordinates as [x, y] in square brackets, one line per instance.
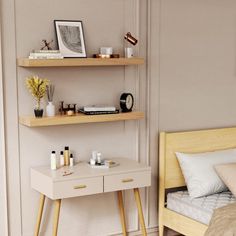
[200, 209]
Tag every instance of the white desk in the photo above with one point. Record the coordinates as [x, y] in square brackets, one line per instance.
[85, 180]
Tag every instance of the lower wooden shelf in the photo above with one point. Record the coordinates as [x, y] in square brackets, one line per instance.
[78, 119]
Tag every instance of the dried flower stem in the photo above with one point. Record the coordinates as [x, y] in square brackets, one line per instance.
[50, 92]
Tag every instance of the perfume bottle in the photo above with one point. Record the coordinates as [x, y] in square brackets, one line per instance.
[62, 160]
[53, 161]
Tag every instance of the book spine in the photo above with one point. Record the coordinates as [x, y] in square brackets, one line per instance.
[99, 108]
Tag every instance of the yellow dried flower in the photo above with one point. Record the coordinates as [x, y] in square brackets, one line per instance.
[37, 87]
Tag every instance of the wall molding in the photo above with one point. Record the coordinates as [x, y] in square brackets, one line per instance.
[10, 84]
[3, 171]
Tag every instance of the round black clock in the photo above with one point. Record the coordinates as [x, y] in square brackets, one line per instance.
[126, 102]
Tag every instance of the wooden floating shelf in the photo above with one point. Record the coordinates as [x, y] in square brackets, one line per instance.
[78, 119]
[66, 62]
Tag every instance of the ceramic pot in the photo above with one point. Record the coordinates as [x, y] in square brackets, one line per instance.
[38, 113]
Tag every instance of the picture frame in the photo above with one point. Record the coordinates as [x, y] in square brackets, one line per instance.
[70, 38]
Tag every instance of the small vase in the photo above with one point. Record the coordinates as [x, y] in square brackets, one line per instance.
[50, 109]
[38, 113]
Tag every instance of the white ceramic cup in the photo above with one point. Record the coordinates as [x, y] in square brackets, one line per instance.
[106, 50]
[129, 52]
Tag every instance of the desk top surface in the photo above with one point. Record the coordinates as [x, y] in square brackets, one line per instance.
[84, 170]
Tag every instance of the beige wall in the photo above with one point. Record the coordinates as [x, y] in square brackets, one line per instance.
[198, 64]
[188, 83]
[25, 24]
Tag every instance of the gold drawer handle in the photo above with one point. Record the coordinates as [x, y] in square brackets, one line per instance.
[80, 186]
[127, 180]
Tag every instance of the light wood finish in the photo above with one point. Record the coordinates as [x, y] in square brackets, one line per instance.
[170, 175]
[183, 224]
[57, 205]
[122, 212]
[79, 119]
[40, 213]
[140, 211]
[193, 142]
[161, 183]
[25, 62]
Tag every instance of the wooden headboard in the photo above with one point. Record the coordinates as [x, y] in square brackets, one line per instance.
[189, 142]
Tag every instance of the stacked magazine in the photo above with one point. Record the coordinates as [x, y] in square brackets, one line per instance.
[45, 54]
[97, 110]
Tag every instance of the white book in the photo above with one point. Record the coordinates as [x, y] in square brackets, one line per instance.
[46, 57]
[45, 54]
[99, 108]
[45, 51]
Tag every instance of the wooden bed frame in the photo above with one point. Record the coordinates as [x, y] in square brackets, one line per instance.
[170, 175]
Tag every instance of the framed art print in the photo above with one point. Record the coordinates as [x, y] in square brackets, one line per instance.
[70, 38]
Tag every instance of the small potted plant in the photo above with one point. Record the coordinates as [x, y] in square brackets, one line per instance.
[37, 87]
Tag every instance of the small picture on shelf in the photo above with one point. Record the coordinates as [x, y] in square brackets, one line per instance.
[70, 38]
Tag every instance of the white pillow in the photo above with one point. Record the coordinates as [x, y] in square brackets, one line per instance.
[199, 174]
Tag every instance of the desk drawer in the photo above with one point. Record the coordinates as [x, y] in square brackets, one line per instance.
[127, 181]
[76, 188]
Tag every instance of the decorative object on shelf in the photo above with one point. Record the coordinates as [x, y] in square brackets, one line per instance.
[97, 112]
[106, 56]
[129, 51]
[70, 107]
[46, 45]
[131, 39]
[50, 108]
[106, 50]
[37, 87]
[70, 38]
[126, 102]
[45, 54]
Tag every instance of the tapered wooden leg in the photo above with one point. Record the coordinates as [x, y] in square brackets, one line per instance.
[161, 230]
[40, 213]
[57, 206]
[122, 212]
[140, 211]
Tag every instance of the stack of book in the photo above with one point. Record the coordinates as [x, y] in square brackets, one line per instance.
[97, 110]
[45, 54]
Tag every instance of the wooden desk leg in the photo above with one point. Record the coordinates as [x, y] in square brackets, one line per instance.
[122, 212]
[140, 211]
[57, 206]
[40, 213]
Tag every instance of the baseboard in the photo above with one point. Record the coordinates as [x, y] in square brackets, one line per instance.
[150, 232]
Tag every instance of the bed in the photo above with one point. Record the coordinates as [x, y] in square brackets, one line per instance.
[170, 175]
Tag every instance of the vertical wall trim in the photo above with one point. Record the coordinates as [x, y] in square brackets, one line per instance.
[148, 72]
[11, 117]
[3, 171]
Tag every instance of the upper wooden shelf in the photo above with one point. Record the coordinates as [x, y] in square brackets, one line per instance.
[25, 62]
[78, 119]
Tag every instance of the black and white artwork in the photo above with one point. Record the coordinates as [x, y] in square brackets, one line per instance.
[70, 38]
